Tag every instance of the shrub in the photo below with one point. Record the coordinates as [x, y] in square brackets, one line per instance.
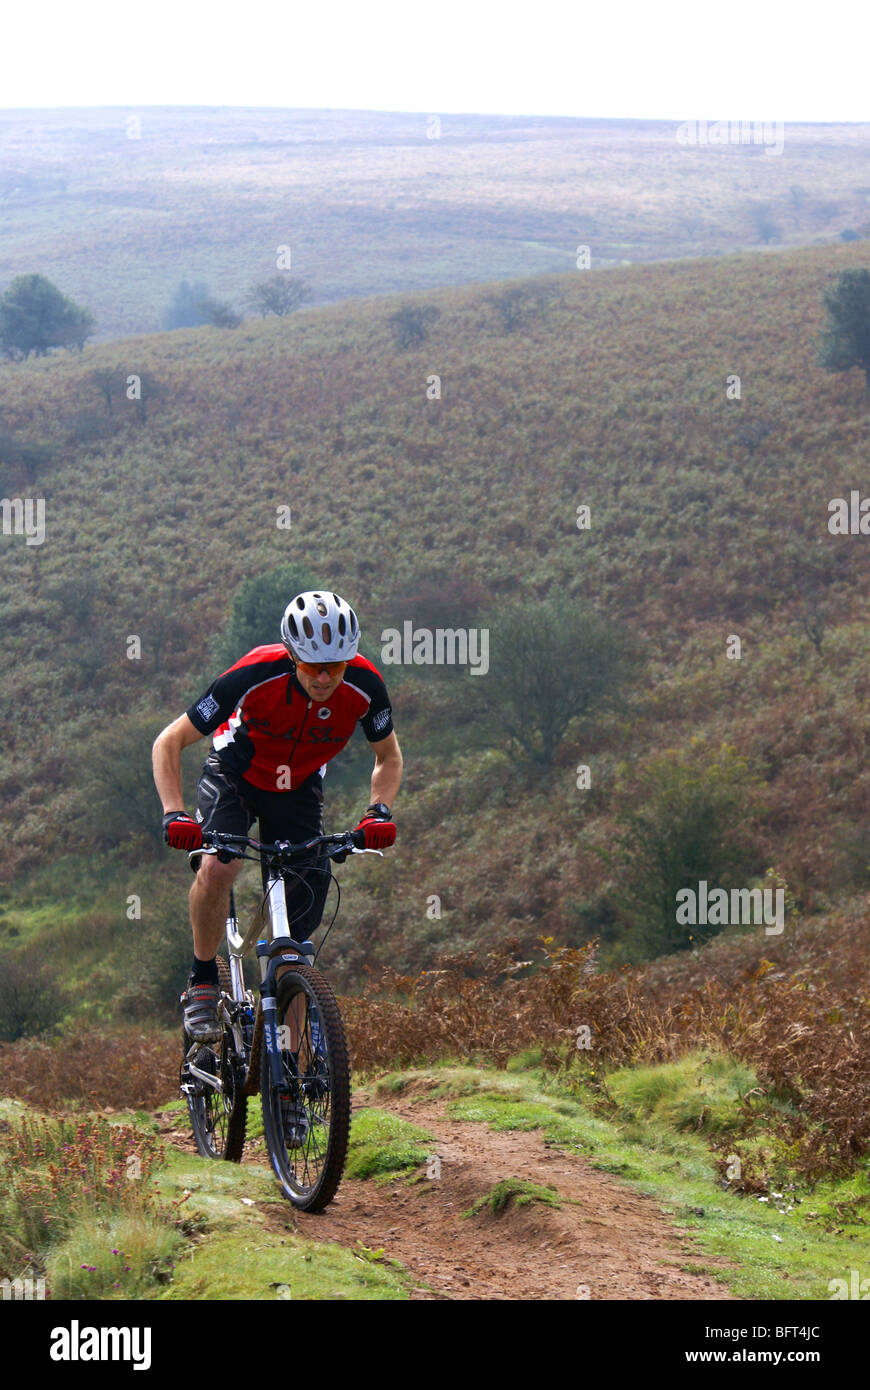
[682, 821]
[255, 616]
[186, 308]
[846, 340]
[31, 997]
[411, 322]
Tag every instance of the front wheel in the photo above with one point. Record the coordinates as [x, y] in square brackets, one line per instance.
[306, 1120]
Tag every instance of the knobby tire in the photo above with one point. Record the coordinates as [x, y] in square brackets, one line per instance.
[310, 1175]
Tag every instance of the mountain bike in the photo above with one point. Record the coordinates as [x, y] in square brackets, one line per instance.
[303, 1071]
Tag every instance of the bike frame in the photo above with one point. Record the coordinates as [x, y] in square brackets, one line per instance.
[275, 949]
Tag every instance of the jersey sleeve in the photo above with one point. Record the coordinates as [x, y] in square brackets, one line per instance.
[217, 703]
[377, 722]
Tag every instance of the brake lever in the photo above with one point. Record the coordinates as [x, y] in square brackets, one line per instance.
[341, 855]
[215, 849]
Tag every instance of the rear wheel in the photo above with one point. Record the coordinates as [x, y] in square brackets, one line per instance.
[218, 1117]
[306, 1120]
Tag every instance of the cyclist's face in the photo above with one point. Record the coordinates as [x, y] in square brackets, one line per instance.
[319, 682]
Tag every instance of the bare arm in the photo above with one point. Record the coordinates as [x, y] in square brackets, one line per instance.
[387, 773]
[166, 761]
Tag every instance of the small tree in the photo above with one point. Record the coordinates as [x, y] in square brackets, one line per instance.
[28, 455]
[148, 391]
[763, 221]
[752, 432]
[549, 663]
[257, 607]
[411, 323]
[185, 309]
[682, 821]
[32, 998]
[519, 303]
[280, 295]
[35, 317]
[109, 382]
[808, 573]
[219, 313]
[116, 778]
[846, 341]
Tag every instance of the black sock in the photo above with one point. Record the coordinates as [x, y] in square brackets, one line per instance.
[204, 972]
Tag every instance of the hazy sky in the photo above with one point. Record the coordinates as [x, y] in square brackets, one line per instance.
[788, 60]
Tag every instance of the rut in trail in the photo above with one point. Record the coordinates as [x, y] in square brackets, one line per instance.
[614, 1243]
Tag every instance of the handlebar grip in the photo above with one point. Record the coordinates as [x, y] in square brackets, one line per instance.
[377, 834]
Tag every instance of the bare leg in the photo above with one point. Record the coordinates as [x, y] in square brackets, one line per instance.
[210, 904]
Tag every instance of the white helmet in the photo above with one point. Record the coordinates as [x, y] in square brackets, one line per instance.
[320, 627]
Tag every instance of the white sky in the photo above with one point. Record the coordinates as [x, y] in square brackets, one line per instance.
[778, 60]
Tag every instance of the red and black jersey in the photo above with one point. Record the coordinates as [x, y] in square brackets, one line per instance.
[264, 723]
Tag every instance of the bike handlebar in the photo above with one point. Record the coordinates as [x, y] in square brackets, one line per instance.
[343, 843]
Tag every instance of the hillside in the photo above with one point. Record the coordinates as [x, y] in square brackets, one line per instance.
[444, 511]
[117, 206]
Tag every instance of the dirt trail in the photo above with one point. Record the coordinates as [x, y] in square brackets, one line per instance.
[614, 1242]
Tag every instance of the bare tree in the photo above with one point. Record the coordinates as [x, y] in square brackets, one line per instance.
[765, 226]
[519, 303]
[281, 295]
[109, 381]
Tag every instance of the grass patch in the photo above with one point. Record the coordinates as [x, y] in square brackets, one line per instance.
[256, 1264]
[69, 1178]
[230, 1255]
[527, 1060]
[384, 1145]
[700, 1091]
[519, 1192]
[127, 1257]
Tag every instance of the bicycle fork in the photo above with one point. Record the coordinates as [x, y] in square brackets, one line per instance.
[272, 955]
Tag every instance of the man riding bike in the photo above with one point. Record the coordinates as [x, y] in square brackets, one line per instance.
[277, 717]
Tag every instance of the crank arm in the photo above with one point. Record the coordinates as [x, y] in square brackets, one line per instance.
[206, 1077]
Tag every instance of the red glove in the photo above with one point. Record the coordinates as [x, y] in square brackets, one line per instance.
[379, 834]
[180, 832]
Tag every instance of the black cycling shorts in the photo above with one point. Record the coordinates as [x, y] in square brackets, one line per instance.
[228, 803]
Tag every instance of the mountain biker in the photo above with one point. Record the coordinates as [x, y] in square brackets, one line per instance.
[277, 718]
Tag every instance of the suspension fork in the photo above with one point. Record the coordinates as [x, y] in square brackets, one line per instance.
[273, 956]
[234, 951]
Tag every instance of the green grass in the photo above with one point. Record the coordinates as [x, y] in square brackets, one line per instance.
[256, 1264]
[221, 1247]
[697, 1092]
[516, 1191]
[125, 1258]
[383, 1146]
[231, 1255]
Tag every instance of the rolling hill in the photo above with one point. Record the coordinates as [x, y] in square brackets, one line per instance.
[118, 206]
